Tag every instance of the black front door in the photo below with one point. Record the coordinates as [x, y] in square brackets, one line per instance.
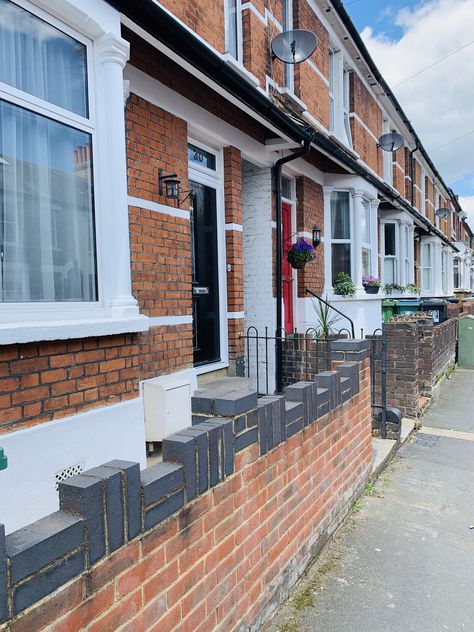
[205, 274]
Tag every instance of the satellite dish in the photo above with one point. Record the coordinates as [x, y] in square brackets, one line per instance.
[391, 141]
[443, 213]
[294, 46]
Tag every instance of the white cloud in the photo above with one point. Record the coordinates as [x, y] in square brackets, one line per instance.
[439, 102]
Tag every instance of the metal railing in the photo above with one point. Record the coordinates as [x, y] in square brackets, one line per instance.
[303, 355]
[321, 300]
[378, 378]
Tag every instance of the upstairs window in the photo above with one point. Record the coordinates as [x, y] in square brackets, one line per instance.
[332, 101]
[346, 105]
[47, 228]
[287, 24]
[457, 273]
[387, 157]
[234, 29]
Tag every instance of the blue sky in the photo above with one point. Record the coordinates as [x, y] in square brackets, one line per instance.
[378, 14]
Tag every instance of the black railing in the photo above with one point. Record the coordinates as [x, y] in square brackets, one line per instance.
[321, 300]
[303, 355]
[378, 378]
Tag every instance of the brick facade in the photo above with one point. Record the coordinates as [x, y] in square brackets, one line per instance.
[131, 549]
[310, 213]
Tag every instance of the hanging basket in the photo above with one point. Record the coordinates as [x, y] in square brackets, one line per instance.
[298, 265]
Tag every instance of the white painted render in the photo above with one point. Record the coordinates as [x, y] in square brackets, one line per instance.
[259, 301]
[88, 439]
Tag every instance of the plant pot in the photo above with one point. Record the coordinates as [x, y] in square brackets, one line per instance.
[371, 289]
[298, 265]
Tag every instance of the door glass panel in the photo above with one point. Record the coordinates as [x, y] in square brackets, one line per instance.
[205, 274]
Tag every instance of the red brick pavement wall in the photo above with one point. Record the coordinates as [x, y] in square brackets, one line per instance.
[226, 559]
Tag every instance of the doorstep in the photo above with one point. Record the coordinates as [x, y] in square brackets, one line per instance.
[384, 449]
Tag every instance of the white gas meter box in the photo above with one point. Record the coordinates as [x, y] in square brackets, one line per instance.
[167, 402]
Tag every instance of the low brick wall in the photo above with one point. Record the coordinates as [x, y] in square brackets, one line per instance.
[213, 538]
[418, 354]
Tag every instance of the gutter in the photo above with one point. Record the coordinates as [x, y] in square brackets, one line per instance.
[153, 19]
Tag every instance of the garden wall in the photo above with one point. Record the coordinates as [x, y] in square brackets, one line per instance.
[418, 355]
[214, 537]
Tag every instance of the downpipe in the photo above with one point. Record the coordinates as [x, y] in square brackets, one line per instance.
[276, 172]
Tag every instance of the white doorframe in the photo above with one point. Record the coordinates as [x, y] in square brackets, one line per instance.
[215, 179]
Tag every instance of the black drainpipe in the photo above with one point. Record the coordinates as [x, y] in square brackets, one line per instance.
[412, 173]
[276, 169]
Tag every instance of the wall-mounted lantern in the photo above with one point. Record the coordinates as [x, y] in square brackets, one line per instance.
[316, 236]
[169, 185]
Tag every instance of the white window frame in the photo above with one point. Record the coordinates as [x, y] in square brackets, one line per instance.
[288, 69]
[427, 266]
[238, 26]
[110, 314]
[346, 100]
[387, 157]
[350, 240]
[444, 271]
[331, 89]
[457, 267]
[396, 257]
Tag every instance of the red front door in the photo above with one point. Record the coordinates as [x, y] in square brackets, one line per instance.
[287, 270]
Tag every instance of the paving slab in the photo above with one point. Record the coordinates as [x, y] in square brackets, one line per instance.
[404, 562]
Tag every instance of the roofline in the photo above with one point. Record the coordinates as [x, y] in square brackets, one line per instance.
[159, 23]
[358, 41]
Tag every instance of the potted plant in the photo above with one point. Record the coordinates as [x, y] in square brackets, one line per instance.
[326, 318]
[344, 285]
[371, 284]
[412, 288]
[390, 288]
[300, 253]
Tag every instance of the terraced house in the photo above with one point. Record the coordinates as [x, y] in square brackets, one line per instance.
[141, 196]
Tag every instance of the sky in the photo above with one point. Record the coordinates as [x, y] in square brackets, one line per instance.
[404, 37]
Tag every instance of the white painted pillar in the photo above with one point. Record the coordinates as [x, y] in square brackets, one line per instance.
[112, 207]
[437, 283]
[327, 191]
[411, 244]
[374, 238]
[356, 240]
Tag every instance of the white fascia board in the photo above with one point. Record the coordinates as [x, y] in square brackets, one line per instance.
[67, 329]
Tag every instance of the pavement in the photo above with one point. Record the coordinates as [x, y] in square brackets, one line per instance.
[404, 561]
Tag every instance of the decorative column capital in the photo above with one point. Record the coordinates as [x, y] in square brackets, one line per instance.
[327, 190]
[374, 204]
[357, 193]
[112, 50]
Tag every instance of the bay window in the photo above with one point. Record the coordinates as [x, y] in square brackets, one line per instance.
[426, 267]
[456, 273]
[444, 271]
[340, 234]
[390, 275]
[57, 86]
[47, 232]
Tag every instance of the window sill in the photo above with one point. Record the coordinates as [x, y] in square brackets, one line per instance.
[38, 331]
[241, 69]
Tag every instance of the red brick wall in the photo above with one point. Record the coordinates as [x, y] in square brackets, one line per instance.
[399, 170]
[222, 561]
[234, 249]
[204, 18]
[366, 108]
[49, 380]
[309, 213]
